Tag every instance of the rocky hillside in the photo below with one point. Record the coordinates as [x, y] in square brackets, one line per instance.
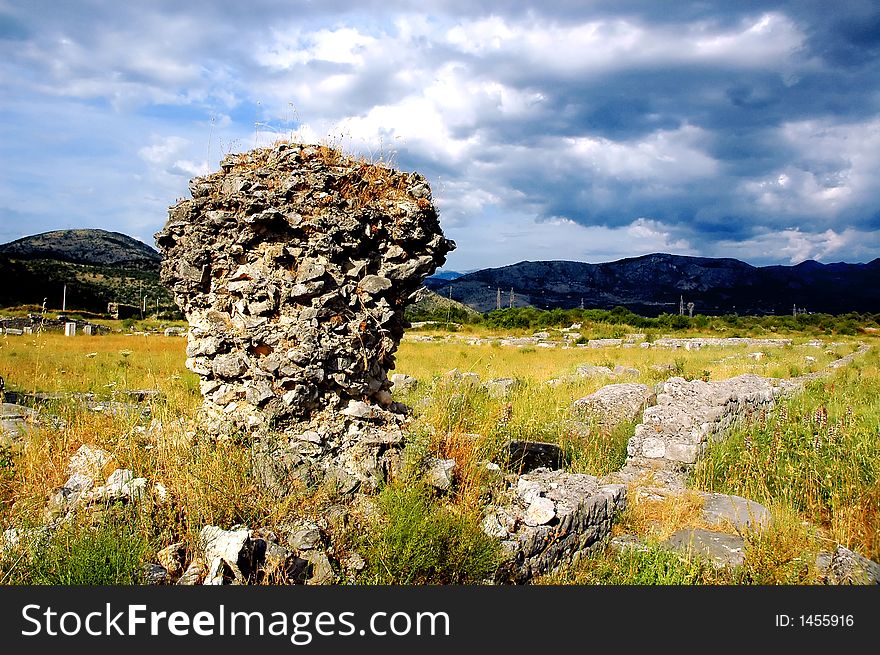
[653, 284]
[94, 247]
[97, 267]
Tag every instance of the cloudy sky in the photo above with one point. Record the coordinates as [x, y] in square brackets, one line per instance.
[555, 130]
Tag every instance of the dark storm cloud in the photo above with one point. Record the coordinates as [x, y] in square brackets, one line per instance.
[583, 129]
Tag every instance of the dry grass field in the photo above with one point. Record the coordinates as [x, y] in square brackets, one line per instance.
[814, 461]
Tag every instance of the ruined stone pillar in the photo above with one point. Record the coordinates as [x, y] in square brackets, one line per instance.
[293, 265]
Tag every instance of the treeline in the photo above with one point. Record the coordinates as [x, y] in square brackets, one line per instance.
[532, 318]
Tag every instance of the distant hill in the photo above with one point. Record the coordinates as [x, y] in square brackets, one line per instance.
[96, 266]
[445, 275]
[95, 247]
[653, 284]
[432, 306]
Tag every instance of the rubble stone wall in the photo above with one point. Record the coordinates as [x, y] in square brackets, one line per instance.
[293, 265]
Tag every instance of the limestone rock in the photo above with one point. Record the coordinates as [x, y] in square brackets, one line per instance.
[847, 567]
[441, 473]
[551, 519]
[616, 402]
[195, 573]
[226, 550]
[120, 485]
[88, 461]
[172, 558]
[590, 371]
[740, 513]
[403, 383]
[501, 387]
[720, 548]
[155, 574]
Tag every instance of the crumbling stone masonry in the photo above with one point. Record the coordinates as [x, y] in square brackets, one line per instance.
[293, 265]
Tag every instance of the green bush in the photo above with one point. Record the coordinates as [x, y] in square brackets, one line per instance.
[418, 541]
[108, 550]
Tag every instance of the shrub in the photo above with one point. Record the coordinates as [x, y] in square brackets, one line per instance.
[107, 550]
[419, 542]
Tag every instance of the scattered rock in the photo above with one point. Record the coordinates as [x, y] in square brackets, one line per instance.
[441, 473]
[539, 512]
[501, 387]
[604, 343]
[88, 461]
[591, 371]
[551, 518]
[306, 536]
[195, 573]
[226, 550]
[155, 574]
[322, 570]
[172, 558]
[403, 383]
[120, 485]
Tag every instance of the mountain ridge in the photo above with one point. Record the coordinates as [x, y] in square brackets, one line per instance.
[85, 246]
[99, 266]
[658, 282]
[82, 269]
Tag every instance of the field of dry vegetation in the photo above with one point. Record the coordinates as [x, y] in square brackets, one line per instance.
[814, 461]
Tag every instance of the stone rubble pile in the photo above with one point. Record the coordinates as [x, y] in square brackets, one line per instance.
[293, 266]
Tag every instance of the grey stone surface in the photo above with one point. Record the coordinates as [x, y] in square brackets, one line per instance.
[15, 421]
[305, 536]
[88, 461]
[674, 432]
[592, 371]
[400, 382]
[156, 574]
[441, 473]
[847, 567]
[720, 342]
[614, 403]
[720, 548]
[226, 549]
[550, 519]
[194, 574]
[738, 512]
[172, 557]
[120, 485]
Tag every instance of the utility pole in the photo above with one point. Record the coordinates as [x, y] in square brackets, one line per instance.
[582, 302]
[690, 310]
[498, 299]
[511, 297]
[64, 299]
